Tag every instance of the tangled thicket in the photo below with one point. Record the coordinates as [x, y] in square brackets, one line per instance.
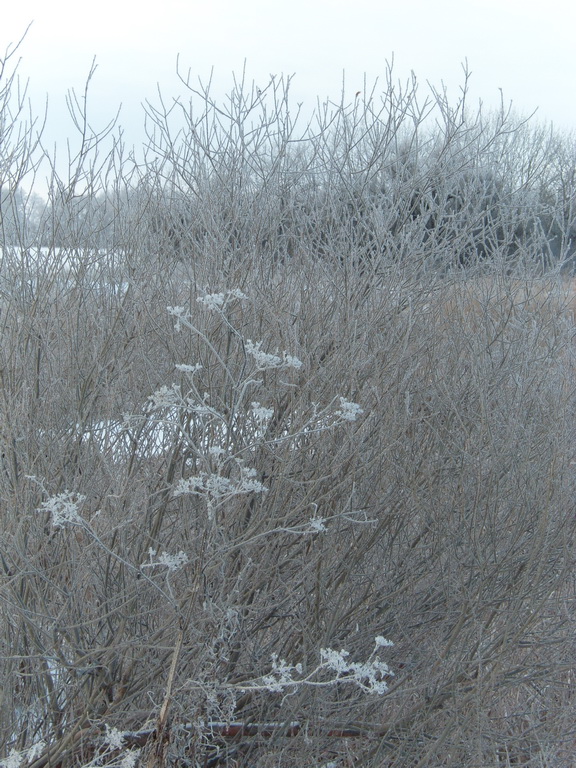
[272, 395]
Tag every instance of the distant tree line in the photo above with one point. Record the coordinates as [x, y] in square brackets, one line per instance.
[379, 182]
[369, 186]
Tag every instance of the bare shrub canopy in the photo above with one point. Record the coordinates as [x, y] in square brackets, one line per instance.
[286, 437]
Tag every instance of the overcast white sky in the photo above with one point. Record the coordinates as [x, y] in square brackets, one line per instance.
[523, 47]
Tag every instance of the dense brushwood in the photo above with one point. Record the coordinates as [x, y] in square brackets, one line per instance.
[268, 399]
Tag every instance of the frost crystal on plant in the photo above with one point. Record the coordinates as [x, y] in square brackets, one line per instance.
[262, 414]
[336, 660]
[317, 524]
[64, 508]
[191, 369]
[282, 675]
[113, 738]
[212, 300]
[201, 408]
[265, 360]
[130, 758]
[180, 314]
[36, 750]
[247, 482]
[349, 411]
[166, 397]
[290, 361]
[177, 311]
[367, 675]
[217, 487]
[173, 562]
[218, 300]
[13, 760]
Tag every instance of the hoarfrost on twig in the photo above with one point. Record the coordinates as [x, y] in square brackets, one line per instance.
[64, 508]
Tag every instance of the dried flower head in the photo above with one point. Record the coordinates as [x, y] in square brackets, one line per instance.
[64, 508]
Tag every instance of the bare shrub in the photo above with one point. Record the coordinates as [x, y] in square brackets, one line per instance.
[270, 402]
